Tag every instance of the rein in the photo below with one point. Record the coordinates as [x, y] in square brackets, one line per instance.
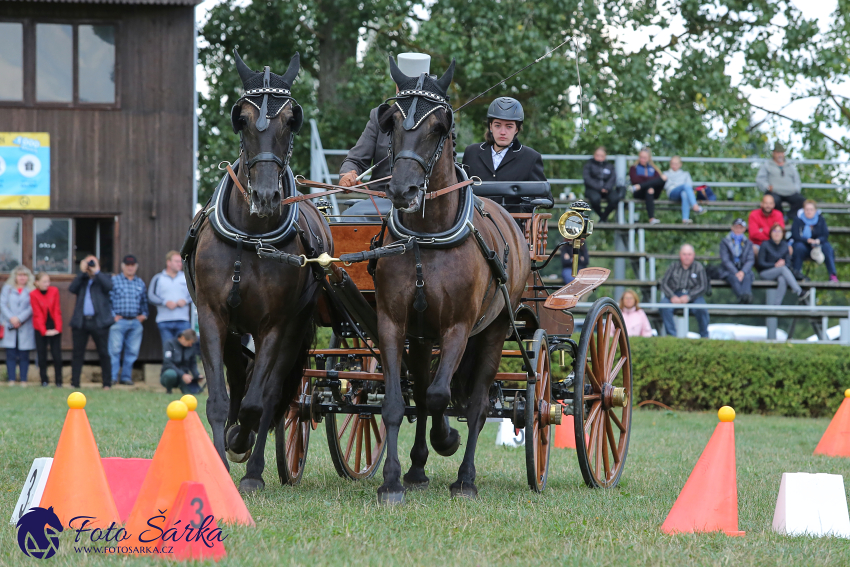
[360, 189]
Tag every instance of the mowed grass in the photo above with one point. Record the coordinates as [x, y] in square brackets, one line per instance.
[328, 520]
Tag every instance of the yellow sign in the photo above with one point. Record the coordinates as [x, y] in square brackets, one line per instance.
[24, 170]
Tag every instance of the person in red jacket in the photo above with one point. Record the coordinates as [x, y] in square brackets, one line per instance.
[763, 219]
[47, 321]
[647, 182]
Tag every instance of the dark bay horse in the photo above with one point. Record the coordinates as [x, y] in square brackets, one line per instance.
[463, 309]
[239, 293]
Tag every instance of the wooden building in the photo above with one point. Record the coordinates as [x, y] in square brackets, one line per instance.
[109, 87]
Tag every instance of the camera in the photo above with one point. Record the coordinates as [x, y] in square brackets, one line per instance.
[92, 263]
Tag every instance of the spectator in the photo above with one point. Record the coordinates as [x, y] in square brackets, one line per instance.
[647, 182]
[168, 291]
[772, 263]
[16, 317]
[782, 181]
[599, 180]
[680, 187]
[637, 323]
[737, 260]
[92, 317]
[763, 219]
[47, 321]
[180, 365]
[685, 282]
[129, 310]
[810, 235]
[567, 261]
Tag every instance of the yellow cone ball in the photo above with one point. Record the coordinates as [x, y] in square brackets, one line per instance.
[77, 400]
[190, 401]
[177, 410]
[726, 414]
[847, 393]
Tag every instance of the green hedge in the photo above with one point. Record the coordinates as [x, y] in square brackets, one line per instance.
[778, 379]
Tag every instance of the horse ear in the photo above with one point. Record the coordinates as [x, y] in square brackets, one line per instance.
[385, 118]
[292, 71]
[446, 80]
[399, 77]
[236, 117]
[297, 119]
[245, 72]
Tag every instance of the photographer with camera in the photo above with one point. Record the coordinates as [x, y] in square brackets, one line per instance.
[92, 317]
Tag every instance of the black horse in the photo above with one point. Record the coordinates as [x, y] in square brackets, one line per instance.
[241, 293]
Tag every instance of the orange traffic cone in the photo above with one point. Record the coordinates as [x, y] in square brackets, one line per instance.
[77, 485]
[196, 533]
[709, 500]
[836, 439]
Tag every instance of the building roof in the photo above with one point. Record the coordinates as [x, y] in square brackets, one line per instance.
[148, 2]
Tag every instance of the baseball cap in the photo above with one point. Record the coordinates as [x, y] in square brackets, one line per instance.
[129, 260]
[740, 222]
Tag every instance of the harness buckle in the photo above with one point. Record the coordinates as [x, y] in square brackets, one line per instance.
[235, 278]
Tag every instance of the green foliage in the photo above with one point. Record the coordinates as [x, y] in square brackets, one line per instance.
[777, 379]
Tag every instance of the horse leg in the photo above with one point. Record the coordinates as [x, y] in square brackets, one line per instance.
[237, 377]
[487, 355]
[445, 439]
[392, 346]
[420, 368]
[212, 345]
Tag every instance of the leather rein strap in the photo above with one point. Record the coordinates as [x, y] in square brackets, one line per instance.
[360, 189]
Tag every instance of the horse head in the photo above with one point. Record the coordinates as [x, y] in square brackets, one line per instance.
[266, 118]
[419, 123]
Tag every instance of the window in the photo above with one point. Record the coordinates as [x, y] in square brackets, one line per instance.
[12, 61]
[11, 249]
[52, 245]
[94, 236]
[68, 65]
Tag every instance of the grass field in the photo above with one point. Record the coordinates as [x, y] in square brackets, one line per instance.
[327, 520]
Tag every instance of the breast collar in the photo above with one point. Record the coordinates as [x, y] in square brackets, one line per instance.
[217, 214]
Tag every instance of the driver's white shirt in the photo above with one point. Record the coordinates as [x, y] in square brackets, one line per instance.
[497, 156]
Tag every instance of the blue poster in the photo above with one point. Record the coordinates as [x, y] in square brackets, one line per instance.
[25, 170]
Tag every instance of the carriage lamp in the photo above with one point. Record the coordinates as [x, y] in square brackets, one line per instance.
[575, 224]
[324, 206]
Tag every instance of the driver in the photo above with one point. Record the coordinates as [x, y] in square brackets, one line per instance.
[502, 157]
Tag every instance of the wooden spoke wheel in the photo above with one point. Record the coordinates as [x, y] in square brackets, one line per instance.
[356, 442]
[292, 436]
[602, 395]
[541, 414]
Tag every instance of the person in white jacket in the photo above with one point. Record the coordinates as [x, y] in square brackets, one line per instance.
[168, 291]
[680, 187]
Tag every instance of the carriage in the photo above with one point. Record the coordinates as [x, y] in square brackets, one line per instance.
[588, 380]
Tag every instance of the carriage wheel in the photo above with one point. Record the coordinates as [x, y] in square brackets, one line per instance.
[356, 442]
[292, 436]
[602, 396]
[541, 414]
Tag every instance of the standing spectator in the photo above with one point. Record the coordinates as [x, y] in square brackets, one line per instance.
[180, 364]
[47, 321]
[782, 181]
[810, 235]
[737, 260]
[763, 219]
[92, 317]
[647, 182]
[567, 261]
[168, 291]
[685, 282]
[16, 317]
[129, 310]
[637, 323]
[680, 187]
[772, 264]
[599, 180]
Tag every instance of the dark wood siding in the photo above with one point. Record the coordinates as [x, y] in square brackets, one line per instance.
[135, 160]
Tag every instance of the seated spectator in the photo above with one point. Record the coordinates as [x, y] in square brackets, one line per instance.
[763, 219]
[781, 179]
[567, 261]
[637, 323]
[773, 264]
[737, 260]
[599, 180]
[16, 317]
[180, 365]
[47, 321]
[685, 282]
[647, 182]
[680, 187]
[810, 235]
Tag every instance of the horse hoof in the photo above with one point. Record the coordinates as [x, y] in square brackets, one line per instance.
[416, 484]
[238, 457]
[448, 446]
[463, 490]
[391, 498]
[249, 485]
